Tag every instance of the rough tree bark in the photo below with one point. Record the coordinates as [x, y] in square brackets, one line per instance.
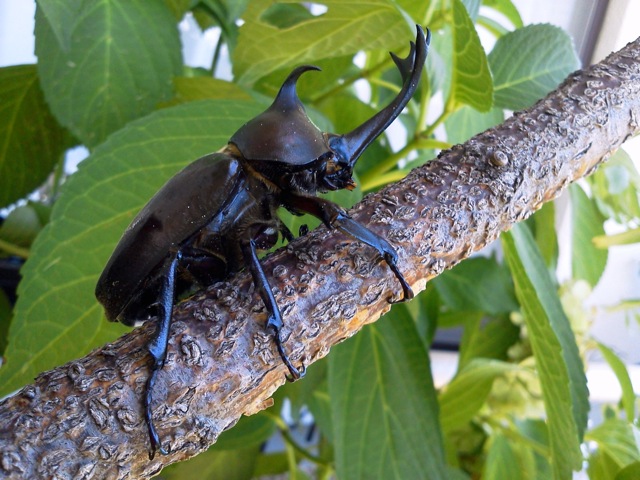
[85, 419]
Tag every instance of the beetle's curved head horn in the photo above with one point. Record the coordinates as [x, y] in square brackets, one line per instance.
[351, 145]
[283, 132]
[287, 98]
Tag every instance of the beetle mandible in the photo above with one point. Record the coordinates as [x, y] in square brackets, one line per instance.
[211, 218]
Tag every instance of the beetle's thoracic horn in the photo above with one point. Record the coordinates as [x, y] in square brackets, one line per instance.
[351, 145]
[283, 132]
[287, 98]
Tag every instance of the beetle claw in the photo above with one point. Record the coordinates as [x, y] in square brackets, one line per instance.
[407, 291]
[294, 373]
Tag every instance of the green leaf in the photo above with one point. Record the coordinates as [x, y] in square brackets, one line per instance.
[113, 71]
[502, 461]
[271, 464]
[189, 89]
[588, 261]
[489, 339]
[96, 204]
[467, 392]
[466, 122]
[251, 431]
[320, 407]
[384, 409]
[424, 311]
[300, 394]
[630, 472]
[313, 85]
[31, 141]
[213, 464]
[622, 374]
[5, 320]
[508, 9]
[530, 62]
[60, 15]
[615, 186]
[477, 284]
[544, 232]
[558, 362]
[535, 434]
[344, 29]
[616, 438]
[471, 82]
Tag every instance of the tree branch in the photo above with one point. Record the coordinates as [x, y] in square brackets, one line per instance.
[85, 419]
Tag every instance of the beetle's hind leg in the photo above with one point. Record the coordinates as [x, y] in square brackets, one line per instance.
[275, 317]
[158, 344]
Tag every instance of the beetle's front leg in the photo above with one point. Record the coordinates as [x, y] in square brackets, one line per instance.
[275, 317]
[158, 344]
[335, 217]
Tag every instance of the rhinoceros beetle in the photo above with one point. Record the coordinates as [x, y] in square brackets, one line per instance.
[211, 218]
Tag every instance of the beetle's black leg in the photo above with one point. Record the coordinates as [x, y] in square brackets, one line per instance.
[275, 318]
[304, 229]
[334, 217]
[286, 233]
[345, 223]
[158, 344]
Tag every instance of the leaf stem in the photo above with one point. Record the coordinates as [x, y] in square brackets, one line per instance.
[624, 238]
[13, 249]
[58, 177]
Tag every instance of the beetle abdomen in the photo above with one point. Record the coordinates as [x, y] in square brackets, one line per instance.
[181, 208]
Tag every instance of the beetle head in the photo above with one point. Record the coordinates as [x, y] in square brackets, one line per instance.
[283, 143]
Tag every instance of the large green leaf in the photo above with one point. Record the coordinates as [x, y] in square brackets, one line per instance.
[467, 392]
[487, 338]
[108, 70]
[617, 440]
[238, 464]
[630, 472]
[97, 203]
[558, 362]
[471, 82]
[466, 122]
[503, 461]
[587, 261]
[251, 431]
[5, 320]
[345, 28]
[384, 411]
[530, 62]
[60, 15]
[31, 141]
[478, 284]
[542, 224]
